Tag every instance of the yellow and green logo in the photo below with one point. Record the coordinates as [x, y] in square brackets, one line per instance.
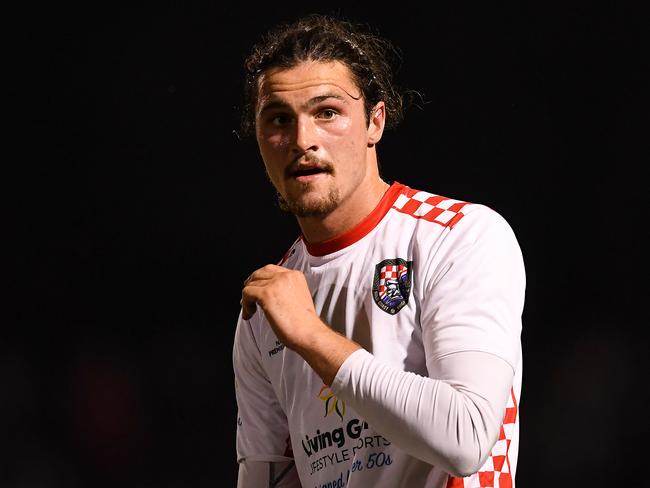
[332, 404]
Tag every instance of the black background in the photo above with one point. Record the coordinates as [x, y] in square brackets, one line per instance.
[135, 213]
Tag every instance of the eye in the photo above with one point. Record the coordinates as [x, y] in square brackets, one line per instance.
[280, 120]
[327, 114]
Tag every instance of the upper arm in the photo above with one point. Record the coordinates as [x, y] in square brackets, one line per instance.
[473, 289]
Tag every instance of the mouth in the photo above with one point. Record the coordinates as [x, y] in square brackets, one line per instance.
[308, 172]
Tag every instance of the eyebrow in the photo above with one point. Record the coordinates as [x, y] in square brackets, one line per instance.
[278, 104]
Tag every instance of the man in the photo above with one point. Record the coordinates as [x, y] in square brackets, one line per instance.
[384, 349]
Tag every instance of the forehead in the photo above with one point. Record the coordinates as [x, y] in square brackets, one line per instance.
[306, 78]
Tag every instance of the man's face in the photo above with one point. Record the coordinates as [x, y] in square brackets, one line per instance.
[313, 135]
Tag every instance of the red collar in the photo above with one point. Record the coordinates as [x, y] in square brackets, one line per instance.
[360, 230]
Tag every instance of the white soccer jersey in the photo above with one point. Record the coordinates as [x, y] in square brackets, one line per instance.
[420, 278]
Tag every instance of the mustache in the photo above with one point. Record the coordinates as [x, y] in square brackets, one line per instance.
[308, 161]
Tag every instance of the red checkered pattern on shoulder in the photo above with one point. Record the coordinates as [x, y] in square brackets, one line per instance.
[434, 208]
[495, 473]
[390, 272]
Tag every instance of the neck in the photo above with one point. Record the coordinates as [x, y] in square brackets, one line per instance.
[352, 210]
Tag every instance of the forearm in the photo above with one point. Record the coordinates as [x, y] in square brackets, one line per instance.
[324, 350]
[451, 423]
[284, 297]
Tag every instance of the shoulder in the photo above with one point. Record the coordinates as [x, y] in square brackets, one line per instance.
[427, 206]
[438, 214]
[480, 221]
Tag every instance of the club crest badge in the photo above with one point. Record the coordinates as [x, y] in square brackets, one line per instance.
[391, 286]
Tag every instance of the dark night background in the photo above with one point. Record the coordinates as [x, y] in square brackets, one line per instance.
[135, 213]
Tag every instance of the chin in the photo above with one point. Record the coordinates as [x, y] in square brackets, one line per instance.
[310, 205]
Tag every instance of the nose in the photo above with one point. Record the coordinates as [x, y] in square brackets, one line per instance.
[305, 137]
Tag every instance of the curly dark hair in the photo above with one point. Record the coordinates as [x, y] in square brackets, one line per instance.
[318, 37]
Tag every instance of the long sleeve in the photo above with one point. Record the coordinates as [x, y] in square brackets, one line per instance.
[451, 421]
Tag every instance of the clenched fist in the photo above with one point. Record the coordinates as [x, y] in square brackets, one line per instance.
[284, 297]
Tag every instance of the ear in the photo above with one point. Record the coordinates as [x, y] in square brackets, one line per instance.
[376, 123]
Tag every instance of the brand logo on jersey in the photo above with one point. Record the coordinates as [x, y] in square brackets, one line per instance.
[331, 402]
[391, 286]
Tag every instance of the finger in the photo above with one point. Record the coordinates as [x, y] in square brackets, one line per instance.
[266, 273]
[252, 278]
[250, 297]
[248, 306]
[248, 310]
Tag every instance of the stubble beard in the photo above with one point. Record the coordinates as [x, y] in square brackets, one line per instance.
[318, 206]
[314, 208]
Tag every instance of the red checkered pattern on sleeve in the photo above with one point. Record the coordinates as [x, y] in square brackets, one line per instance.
[390, 272]
[434, 208]
[495, 473]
